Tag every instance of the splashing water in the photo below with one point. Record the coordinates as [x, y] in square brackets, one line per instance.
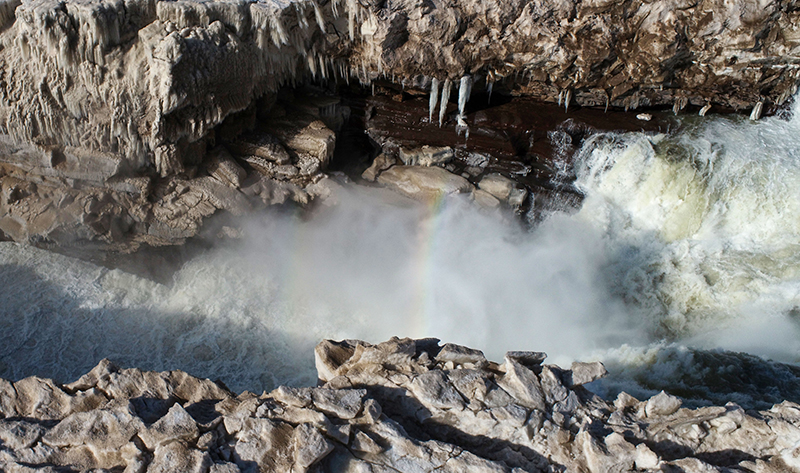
[702, 230]
[686, 245]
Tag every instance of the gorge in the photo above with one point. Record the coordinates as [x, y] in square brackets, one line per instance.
[217, 186]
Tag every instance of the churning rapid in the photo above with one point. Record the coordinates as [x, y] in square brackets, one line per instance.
[681, 269]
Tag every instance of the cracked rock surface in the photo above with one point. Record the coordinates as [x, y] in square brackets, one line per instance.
[401, 405]
[125, 122]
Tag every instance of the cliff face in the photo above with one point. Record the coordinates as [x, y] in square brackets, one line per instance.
[109, 94]
[148, 80]
[402, 405]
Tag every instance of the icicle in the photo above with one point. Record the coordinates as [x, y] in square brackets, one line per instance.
[373, 88]
[756, 113]
[680, 103]
[461, 125]
[608, 99]
[312, 65]
[489, 87]
[567, 98]
[277, 32]
[705, 109]
[318, 14]
[434, 98]
[464, 90]
[301, 15]
[351, 23]
[783, 97]
[445, 99]
[560, 97]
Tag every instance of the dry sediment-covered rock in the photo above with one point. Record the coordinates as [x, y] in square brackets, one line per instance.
[402, 405]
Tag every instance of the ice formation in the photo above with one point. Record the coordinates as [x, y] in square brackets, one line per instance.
[757, 109]
[433, 99]
[445, 100]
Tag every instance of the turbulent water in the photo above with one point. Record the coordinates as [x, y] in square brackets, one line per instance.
[681, 271]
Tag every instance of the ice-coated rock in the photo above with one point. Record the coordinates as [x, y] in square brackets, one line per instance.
[102, 429]
[460, 355]
[177, 456]
[426, 155]
[662, 404]
[18, 435]
[343, 403]
[176, 424]
[523, 383]
[584, 373]
[401, 405]
[310, 446]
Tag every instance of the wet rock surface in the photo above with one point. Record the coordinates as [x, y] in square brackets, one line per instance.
[402, 405]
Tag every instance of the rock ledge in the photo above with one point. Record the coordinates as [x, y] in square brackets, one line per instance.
[402, 405]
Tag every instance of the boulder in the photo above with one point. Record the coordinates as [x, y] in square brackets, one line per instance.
[381, 163]
[662, 404]
[426, 155]
[497, 185]
[261, 145]
[224, 168]
[423, 183]
[176, 425]
[460, 355]
[584, 373]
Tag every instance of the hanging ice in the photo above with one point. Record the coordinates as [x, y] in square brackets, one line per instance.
[461, 125]
[489, 87]
[756, 113]
[318, 15]
[680, 104]
[434, 98]
[567, 98]
[705, 109]
[464, 90]
[445, 99]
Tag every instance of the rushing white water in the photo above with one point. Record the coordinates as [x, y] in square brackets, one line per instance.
[703, 230]
[686, 244]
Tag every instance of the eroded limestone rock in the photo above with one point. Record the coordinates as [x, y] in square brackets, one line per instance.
[401, 405]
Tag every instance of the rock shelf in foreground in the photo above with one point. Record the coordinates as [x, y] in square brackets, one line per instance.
[402, 405]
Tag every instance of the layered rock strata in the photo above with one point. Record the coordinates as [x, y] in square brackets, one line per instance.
[402, 405]
[112, 113]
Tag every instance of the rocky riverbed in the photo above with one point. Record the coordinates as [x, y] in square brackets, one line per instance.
[401, 405]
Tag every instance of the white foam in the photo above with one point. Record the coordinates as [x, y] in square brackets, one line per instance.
[701, 230]
[690, 238]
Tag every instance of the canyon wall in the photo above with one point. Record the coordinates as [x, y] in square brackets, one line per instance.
[115, 95]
